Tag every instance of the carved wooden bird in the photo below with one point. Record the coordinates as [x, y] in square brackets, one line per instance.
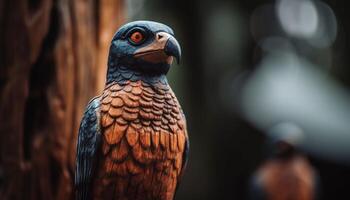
[287, 175]
[133, 142]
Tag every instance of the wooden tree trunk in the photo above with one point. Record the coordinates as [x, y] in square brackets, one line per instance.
[53, 56]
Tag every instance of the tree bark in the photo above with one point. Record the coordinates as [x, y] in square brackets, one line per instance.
[53, 56]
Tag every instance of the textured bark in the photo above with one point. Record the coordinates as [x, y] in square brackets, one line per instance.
[53, 56]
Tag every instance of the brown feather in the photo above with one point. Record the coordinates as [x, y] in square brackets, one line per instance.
[132, 136]
[144, 142]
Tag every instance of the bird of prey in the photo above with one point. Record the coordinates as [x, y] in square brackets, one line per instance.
[287, 175]
[133, 142]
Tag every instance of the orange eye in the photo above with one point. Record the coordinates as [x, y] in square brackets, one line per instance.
[136, 37]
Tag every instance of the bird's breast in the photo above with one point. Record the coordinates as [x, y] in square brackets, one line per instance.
[144, 138]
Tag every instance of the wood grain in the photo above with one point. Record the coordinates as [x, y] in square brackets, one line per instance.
[53, 59]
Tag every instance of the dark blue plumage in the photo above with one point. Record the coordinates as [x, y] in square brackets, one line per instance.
[123, 74]
[122, 63]
[89, 140]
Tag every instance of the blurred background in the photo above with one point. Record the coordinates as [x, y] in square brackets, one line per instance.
[246, 66]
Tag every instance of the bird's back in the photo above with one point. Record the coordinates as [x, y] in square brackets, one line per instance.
[143, 142]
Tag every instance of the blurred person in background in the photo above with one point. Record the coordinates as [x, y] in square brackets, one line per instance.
[287, 174]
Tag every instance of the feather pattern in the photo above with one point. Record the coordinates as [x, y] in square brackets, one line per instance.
[88, 144]
[144, 142]
[147, 146]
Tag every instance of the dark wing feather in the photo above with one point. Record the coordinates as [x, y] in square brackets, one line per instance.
[184, 156]
[89, 140]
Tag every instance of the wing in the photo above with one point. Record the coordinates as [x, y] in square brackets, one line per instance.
[184, 156]
[89, 140]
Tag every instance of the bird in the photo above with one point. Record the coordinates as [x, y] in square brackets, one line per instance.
[288, 174]
[132, 141]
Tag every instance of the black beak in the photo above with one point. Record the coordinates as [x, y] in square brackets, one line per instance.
[172, 48]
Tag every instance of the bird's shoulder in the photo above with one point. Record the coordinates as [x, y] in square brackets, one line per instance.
[89, 125]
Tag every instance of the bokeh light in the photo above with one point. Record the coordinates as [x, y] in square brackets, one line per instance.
[298, 18]
[289, 88]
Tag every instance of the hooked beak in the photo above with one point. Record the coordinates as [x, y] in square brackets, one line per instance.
[162, 49]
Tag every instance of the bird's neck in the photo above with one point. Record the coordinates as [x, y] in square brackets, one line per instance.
[123, 74]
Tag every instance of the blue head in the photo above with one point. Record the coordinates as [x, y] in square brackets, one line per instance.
[146, 47]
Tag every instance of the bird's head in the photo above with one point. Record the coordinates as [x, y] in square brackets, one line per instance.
[145, 46]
